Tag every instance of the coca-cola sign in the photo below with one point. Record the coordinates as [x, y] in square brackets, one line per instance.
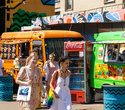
[74, 46]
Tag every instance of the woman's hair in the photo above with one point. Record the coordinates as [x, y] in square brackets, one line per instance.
[52, 54]
[30, 56]
[63, 59]
[35, 50]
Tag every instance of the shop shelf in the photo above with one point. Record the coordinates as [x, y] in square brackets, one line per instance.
[76, 58]
[76, 67]
[78, 89]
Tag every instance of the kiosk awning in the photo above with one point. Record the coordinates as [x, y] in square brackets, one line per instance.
[15, 42]
[109, 42]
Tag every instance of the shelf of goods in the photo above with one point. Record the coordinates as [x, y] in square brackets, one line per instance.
[77, 83]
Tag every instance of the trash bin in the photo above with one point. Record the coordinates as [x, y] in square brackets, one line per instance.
[114, 97]
[6, 88]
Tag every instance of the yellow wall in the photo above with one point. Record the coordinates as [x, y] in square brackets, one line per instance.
[30, 6]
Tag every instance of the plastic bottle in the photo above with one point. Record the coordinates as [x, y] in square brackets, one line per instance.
[82, 70]
[79, 64]
[82, 64]
[78, 71]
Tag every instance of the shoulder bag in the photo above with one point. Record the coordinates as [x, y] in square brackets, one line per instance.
[24, 92]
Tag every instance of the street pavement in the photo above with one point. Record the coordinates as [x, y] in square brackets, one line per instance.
[13, 105]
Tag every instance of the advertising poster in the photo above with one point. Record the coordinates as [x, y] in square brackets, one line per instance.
[100, 54]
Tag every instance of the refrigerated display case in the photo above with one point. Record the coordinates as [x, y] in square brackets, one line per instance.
[79, 54]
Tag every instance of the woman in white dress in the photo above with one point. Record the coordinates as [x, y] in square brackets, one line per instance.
[62, 96]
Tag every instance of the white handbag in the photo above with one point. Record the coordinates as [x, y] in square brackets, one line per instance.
[24, 92]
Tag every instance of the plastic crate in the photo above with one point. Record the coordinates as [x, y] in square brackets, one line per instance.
[77, 96]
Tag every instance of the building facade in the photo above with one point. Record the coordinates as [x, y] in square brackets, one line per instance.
[19, 13]
[2, 16]
[76, 6]
[87, 16]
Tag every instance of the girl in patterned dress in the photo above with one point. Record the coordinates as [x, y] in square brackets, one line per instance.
[34, 79]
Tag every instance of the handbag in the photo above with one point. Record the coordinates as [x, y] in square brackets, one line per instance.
[24, 92]
[51, 94]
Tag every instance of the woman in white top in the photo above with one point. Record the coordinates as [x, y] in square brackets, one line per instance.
[62, 96]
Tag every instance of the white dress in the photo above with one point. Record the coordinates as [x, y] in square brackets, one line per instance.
[64, 102]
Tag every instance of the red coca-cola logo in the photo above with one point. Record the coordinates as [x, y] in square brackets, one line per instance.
[74, 46]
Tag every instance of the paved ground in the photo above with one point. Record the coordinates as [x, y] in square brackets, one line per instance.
[13, 105]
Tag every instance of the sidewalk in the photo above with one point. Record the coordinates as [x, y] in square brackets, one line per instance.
[13, 105]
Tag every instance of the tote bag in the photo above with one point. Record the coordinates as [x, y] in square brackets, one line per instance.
[51, 94]
[24, 92]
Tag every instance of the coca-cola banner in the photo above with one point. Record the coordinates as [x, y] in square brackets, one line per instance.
[74, 46]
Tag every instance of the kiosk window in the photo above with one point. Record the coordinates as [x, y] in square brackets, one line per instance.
[121, 56]
[115, 53]
[8, 51]
[24, 49]
[56, 45]
[40, 51]
[37, 44]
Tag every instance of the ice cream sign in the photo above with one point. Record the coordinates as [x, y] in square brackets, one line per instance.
[74, 46]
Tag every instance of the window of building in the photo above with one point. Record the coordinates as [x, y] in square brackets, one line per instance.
[69, 4]
[8, 29]
[8, 16]
[108, 1]
[8, 8]
[57, 13]
[115, 53]
[57, 1]
[8, 1]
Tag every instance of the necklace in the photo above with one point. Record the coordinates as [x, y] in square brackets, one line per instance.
[64, 75]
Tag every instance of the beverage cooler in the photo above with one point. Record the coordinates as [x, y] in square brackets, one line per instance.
[79, 54]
